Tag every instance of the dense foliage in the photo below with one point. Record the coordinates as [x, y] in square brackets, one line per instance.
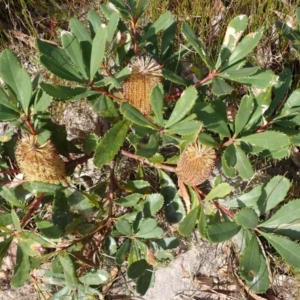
[132, 77]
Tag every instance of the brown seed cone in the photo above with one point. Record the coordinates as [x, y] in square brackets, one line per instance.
[195, 163]
[146, 74]
[39, 162]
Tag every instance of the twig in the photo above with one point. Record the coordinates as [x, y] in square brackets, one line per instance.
[104, 92]
[33, 207]
[145, 161]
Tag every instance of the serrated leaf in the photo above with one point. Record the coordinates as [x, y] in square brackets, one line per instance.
[187, 225]
[10, 197]
[236, 74]
[183, 105]
[221, 87]
[234, 31]
[16, 78]
[94, 277]
[243, 165]
[220, 191]
[7, 114]
[174, 207]
[291, 105]
[250, 262]
[137, 268]
[228, 170]
[247, 44]
[69, 270]
[149, 149]
[202, 223]
[106, 150]
[162, 22]
[145, 281]
[220, 232]
[152, 205]
[48, 229]
[273, 193]
[122, 252]
[124, 227]
[21, 269]
[261, 79]
[135, 116]
[149, 230]
[247, 218]
[72, 47]
[243, 114]
[90, 143]
[130, 200]
[56, 60]
[230, 156]
[289, 250]
[286, 221]
[98, 49]
[211, 119]
[156, 101]
[5, 102]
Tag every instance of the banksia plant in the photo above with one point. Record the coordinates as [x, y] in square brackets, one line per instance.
[195, 164]
[39, 162]
[146, 74]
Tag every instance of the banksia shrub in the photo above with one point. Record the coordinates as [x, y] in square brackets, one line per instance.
[146, 74]
[39, 162]
[195, 164]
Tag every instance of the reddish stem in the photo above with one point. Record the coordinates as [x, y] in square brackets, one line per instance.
[222, 208]
[104, 92]
[33, 207]
[32, 130]
[199, 83]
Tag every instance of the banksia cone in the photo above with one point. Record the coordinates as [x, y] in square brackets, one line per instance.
[146, 74]
[39, 162]
[195, 163]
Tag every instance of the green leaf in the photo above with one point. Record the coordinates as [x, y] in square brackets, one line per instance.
[274, 192]
[156, 101]
[135, 116]
[228, 170]
[202, 224]
[112, 25]
[73, 49]
[221, 87]
[230, 156]
[106, 150]
[243, 165]
[162, 22]
[234, 31]
[220, 191]
[286, 221]
[149, 149]
[130, 200]
[21, 269]
[44, 187]
[173, 77]
[243, 114]
[10, 197]
[261, 79]
[250, 262]
[244, 47]
[94, 277]
[5, 102]
[48, 229]
[240, 73]
[149, 230]
[69, 270]
[289, 250]
[141, 7]
[291, 105]
[16, 221]
[124, 227]
[137, 268]
[4, 245]
[152, 205]
[122, 252]
[145, 281]
[184, 127]
[7, 114]
[183, 105]
[220, 232]
[247, 218]
[94, 21]
[56, 61]
[90, 143]
[16, 78]
[79, 31]
[5, 219]
[98, 50]
[187, 225]
[197, 45]
[211, 119]
[174, 207]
